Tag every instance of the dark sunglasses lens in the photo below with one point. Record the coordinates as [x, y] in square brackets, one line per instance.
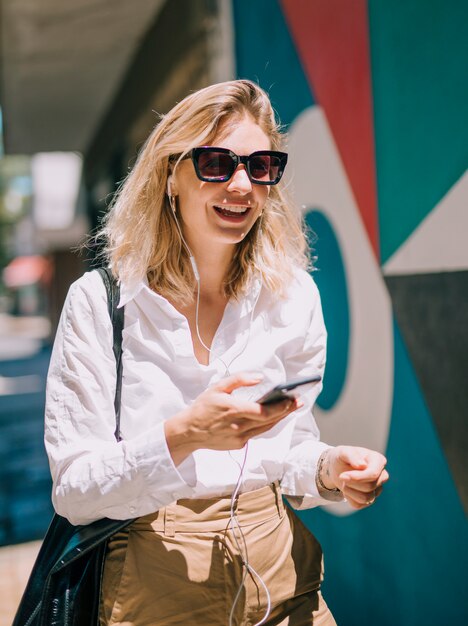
[215, 165]
[265, 167]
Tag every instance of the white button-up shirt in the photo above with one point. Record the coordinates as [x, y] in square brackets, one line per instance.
[95, 476]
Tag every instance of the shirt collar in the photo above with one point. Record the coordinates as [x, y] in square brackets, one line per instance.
[253, 292]
[130, 290]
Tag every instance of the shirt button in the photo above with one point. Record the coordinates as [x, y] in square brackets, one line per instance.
[132, 509]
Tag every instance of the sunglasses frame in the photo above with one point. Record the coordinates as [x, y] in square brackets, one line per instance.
[195, 153]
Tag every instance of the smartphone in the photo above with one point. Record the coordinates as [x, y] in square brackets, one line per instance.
[280, 392]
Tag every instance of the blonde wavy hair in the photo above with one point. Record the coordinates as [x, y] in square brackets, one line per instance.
[141, 237]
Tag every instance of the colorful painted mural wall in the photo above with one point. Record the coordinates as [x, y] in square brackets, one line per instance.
[375, 98]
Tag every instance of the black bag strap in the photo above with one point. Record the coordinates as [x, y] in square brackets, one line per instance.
[63, 543]
[117, 318]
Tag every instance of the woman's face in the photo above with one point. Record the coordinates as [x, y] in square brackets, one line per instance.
[204, 207]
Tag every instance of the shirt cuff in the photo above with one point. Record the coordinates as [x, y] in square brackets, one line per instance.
[155, 464]
[187, 470]
[298, 483]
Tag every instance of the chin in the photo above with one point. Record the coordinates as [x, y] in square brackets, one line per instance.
[233, 238]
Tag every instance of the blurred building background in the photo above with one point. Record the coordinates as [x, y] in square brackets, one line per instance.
[374, 98]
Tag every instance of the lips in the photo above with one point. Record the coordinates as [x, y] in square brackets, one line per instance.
[235, 211]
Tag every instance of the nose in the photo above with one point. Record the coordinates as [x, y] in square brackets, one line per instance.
[240, 180]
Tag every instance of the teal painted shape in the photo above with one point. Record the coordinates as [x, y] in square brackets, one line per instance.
[419, 59]
[404, 560]
[265, 53]
[330, 277]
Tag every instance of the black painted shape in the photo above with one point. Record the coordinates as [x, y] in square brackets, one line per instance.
[432, 314]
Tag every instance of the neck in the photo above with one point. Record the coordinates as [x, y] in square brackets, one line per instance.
[212, 265]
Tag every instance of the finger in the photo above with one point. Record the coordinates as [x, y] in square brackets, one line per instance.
[259, 430]
[359, 495]
[376, 462]
[353, 456]
[247, 410]
[364, 486]
[384, 476]
[358, 505]
[270, 413]
[249, 426]
[364, 475]
[242, 379]
[360, 499]
[378, 491]
[269, 421]
[372, 470]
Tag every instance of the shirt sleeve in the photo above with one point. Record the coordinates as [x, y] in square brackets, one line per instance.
[306, 356]
[94, 476]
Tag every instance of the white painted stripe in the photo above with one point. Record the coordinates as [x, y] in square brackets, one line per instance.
[361, 415]
[440, 242]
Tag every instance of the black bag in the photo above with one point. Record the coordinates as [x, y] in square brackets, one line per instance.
[65, 584]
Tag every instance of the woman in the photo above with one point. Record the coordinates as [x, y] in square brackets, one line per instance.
[218, 309]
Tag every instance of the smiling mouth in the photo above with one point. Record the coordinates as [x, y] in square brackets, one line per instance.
[232, 211]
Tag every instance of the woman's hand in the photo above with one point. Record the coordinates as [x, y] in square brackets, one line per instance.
[358, 472]
[220, 421]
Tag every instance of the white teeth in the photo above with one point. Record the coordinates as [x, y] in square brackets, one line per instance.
[232, 209]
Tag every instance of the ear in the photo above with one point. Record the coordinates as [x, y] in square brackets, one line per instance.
[169, 186]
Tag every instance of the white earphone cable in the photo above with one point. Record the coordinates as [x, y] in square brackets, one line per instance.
[234, 522]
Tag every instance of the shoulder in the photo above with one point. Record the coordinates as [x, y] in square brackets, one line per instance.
[86, 300]
[299, 304]
[83, 341]
[89, 282]
[303, 289]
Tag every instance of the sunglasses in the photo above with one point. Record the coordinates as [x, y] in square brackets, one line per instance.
[217, 165]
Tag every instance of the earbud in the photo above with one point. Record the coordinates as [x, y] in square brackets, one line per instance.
[172, 203]
[169, 186]
[170, 194]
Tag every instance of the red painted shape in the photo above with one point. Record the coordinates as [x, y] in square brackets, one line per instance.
[332, 39]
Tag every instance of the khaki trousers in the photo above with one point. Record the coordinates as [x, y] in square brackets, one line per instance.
[182, 566]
